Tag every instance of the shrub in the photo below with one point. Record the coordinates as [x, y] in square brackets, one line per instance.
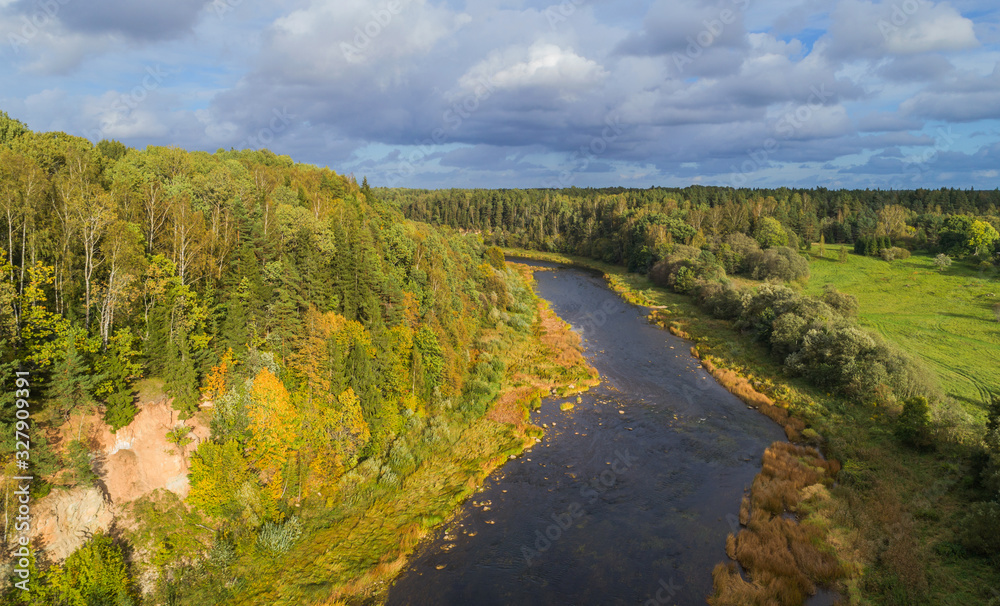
[682, 270]
[684, 279]
[913, 427]
[787, 333]
[893, 253]
[779, 263]
[942, 261]
[279, 537]
[495, 257]
[979, 530]
[857, 362]
[721, 300]
[845, 304]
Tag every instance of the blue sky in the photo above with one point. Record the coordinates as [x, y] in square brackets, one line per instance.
[509, 93]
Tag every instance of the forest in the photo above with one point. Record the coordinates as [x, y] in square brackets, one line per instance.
[336, 345]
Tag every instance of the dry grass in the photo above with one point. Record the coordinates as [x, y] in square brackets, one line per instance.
[785, 559]
[551, 361]
[744, 390]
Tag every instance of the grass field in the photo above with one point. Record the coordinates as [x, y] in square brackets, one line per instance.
[945, 317]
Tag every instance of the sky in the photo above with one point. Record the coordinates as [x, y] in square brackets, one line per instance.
[511, 93]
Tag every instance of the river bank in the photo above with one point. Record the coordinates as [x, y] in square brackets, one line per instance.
[894, 513]
[629, 496]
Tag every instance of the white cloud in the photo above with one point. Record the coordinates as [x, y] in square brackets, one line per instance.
[860, 28]
[929, 28]
[542, 65]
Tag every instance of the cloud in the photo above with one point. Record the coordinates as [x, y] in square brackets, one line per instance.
[136, 19]
[673, 26]
[862, 29]
[544, 66]
[499, 93]
[965, 97]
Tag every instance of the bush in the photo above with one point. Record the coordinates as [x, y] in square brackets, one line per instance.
[913, 427]
[722, 301]
[279, 537]
[779, 263]
[682, 270]
[858, 363]
[942, 261]
[979, 534]
[891, 254]
[845, 304]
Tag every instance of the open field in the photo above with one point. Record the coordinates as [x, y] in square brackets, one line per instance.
[945, 317]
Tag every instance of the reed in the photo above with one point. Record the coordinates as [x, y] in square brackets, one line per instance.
[784, 559]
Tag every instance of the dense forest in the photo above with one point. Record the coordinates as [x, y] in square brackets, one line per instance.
[323, 329]
[637, 228]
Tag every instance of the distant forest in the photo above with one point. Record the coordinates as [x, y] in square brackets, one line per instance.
[638, 227]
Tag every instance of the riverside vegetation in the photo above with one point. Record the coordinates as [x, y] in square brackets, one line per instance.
[361, 374]
[903, 504]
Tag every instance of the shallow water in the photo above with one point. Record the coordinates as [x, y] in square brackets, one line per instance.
[629, 496]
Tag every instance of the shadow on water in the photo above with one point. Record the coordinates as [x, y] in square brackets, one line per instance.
[629, 496]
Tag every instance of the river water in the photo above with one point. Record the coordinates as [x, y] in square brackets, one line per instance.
[629, 496]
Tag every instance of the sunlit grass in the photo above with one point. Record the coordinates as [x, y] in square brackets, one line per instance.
[945, 317]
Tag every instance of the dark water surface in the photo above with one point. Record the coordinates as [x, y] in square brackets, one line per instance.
[629, 496]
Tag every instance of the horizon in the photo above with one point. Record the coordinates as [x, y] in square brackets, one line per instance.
[842, 94]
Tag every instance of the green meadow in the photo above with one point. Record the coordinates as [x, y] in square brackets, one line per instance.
[946, 317]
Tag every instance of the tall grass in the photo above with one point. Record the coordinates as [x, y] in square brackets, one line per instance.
[785, 559]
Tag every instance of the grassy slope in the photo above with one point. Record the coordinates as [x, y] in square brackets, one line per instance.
[945, 317]
[896, 511]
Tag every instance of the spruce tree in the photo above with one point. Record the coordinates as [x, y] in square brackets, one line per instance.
[181, 376]
[71, 380]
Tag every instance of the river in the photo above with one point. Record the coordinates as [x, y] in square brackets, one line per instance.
[629, 496]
